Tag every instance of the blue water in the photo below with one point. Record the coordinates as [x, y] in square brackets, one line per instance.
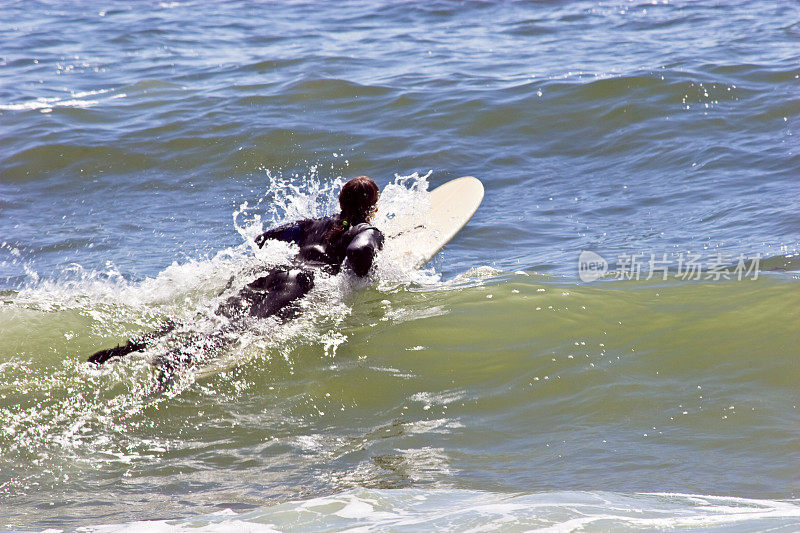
[141, 145]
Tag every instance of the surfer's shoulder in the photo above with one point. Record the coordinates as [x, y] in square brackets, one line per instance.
[363, 246]
[365, 226]
[371, 232]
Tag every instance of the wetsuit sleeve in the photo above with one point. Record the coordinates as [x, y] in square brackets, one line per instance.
[362, 249]
[291, 232]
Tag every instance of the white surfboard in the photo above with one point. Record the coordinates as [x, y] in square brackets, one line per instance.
[451, 206]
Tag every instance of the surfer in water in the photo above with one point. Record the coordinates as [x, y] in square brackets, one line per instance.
[326, 244]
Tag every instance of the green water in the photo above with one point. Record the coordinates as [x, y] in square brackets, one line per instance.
[622, 386]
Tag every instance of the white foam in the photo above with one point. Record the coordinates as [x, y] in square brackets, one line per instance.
[76, 99]
[467, 510]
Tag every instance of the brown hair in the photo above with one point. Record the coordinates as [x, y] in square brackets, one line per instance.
[357, 201]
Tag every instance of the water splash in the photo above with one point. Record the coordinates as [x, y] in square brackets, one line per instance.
[68, 415]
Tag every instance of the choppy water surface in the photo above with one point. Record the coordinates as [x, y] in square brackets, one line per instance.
[142, 147]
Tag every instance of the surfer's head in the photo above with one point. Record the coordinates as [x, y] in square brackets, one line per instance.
[358, 200]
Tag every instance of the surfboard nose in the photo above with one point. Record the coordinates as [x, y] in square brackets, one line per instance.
[452, 205]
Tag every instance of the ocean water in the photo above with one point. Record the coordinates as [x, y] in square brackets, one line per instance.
[611, 343]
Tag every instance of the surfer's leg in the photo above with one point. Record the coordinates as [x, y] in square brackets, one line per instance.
[118, 351]
[251, 294]
[282, 289]
[270, 295]
[133, 345]
[196, 348]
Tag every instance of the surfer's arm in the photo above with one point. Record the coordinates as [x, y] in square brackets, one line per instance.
[361, 250]
[291, 232]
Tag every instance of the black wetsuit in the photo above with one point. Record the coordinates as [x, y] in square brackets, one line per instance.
[325, 243]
